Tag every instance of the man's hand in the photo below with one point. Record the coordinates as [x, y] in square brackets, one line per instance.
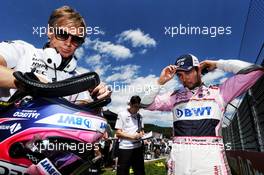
[101, 91]
[138, 136]
[208, 64]
[167, 74]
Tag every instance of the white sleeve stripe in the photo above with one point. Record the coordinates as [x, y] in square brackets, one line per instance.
[233, 66]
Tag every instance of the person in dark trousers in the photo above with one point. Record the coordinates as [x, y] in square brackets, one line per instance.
[129, 130]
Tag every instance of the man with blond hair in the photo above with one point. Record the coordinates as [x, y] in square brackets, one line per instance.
[54, 62]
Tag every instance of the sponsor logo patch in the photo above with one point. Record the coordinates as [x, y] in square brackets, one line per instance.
[190, 112]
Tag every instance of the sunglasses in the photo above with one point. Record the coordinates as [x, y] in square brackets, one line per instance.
[63, 36]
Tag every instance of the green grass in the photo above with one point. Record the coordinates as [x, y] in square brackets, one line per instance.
[150, 169]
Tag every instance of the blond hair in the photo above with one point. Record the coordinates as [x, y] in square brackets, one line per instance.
[66, 14]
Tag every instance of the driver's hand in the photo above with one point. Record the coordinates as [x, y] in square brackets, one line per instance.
[208, 64]
[167, 74]
[101, 91]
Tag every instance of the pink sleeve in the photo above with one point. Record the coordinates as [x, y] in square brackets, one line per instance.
[163, 102]
[238, 84]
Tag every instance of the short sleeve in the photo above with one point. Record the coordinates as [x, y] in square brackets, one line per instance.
[12, 51]
[119, 122]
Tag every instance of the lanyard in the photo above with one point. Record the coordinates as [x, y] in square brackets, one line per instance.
[139, 123]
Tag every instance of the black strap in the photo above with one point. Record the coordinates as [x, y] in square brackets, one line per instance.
[250, 69]
[139, 123]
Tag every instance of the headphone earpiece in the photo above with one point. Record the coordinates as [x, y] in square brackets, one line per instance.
[52, 58]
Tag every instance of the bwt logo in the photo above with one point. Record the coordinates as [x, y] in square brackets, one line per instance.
[72, 120]
[193, 112]
[103, 125]
[49, 168]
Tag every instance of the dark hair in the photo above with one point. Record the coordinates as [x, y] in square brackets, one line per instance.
[135, 99]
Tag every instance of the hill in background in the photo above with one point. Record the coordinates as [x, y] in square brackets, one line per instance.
[166, 131]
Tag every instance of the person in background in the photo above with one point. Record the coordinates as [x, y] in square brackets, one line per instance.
[129, 128]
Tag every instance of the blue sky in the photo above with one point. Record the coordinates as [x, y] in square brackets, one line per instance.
[134, 43]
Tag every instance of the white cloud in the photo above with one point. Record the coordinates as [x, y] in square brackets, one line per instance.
[116, 51]
[171, 86]
[143, 51]
[101, 32]
[96, 64]
[159, 118]
[82, 70]
[123, 73]
[122, 94]
[101, 70]
[93, 60]
[137, 38]
[211, 77]
[135, 86]
[79, 53]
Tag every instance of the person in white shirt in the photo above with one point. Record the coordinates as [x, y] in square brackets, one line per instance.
[129, 127]
[54, 62]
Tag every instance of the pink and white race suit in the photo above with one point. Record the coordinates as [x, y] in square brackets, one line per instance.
[198, 148]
